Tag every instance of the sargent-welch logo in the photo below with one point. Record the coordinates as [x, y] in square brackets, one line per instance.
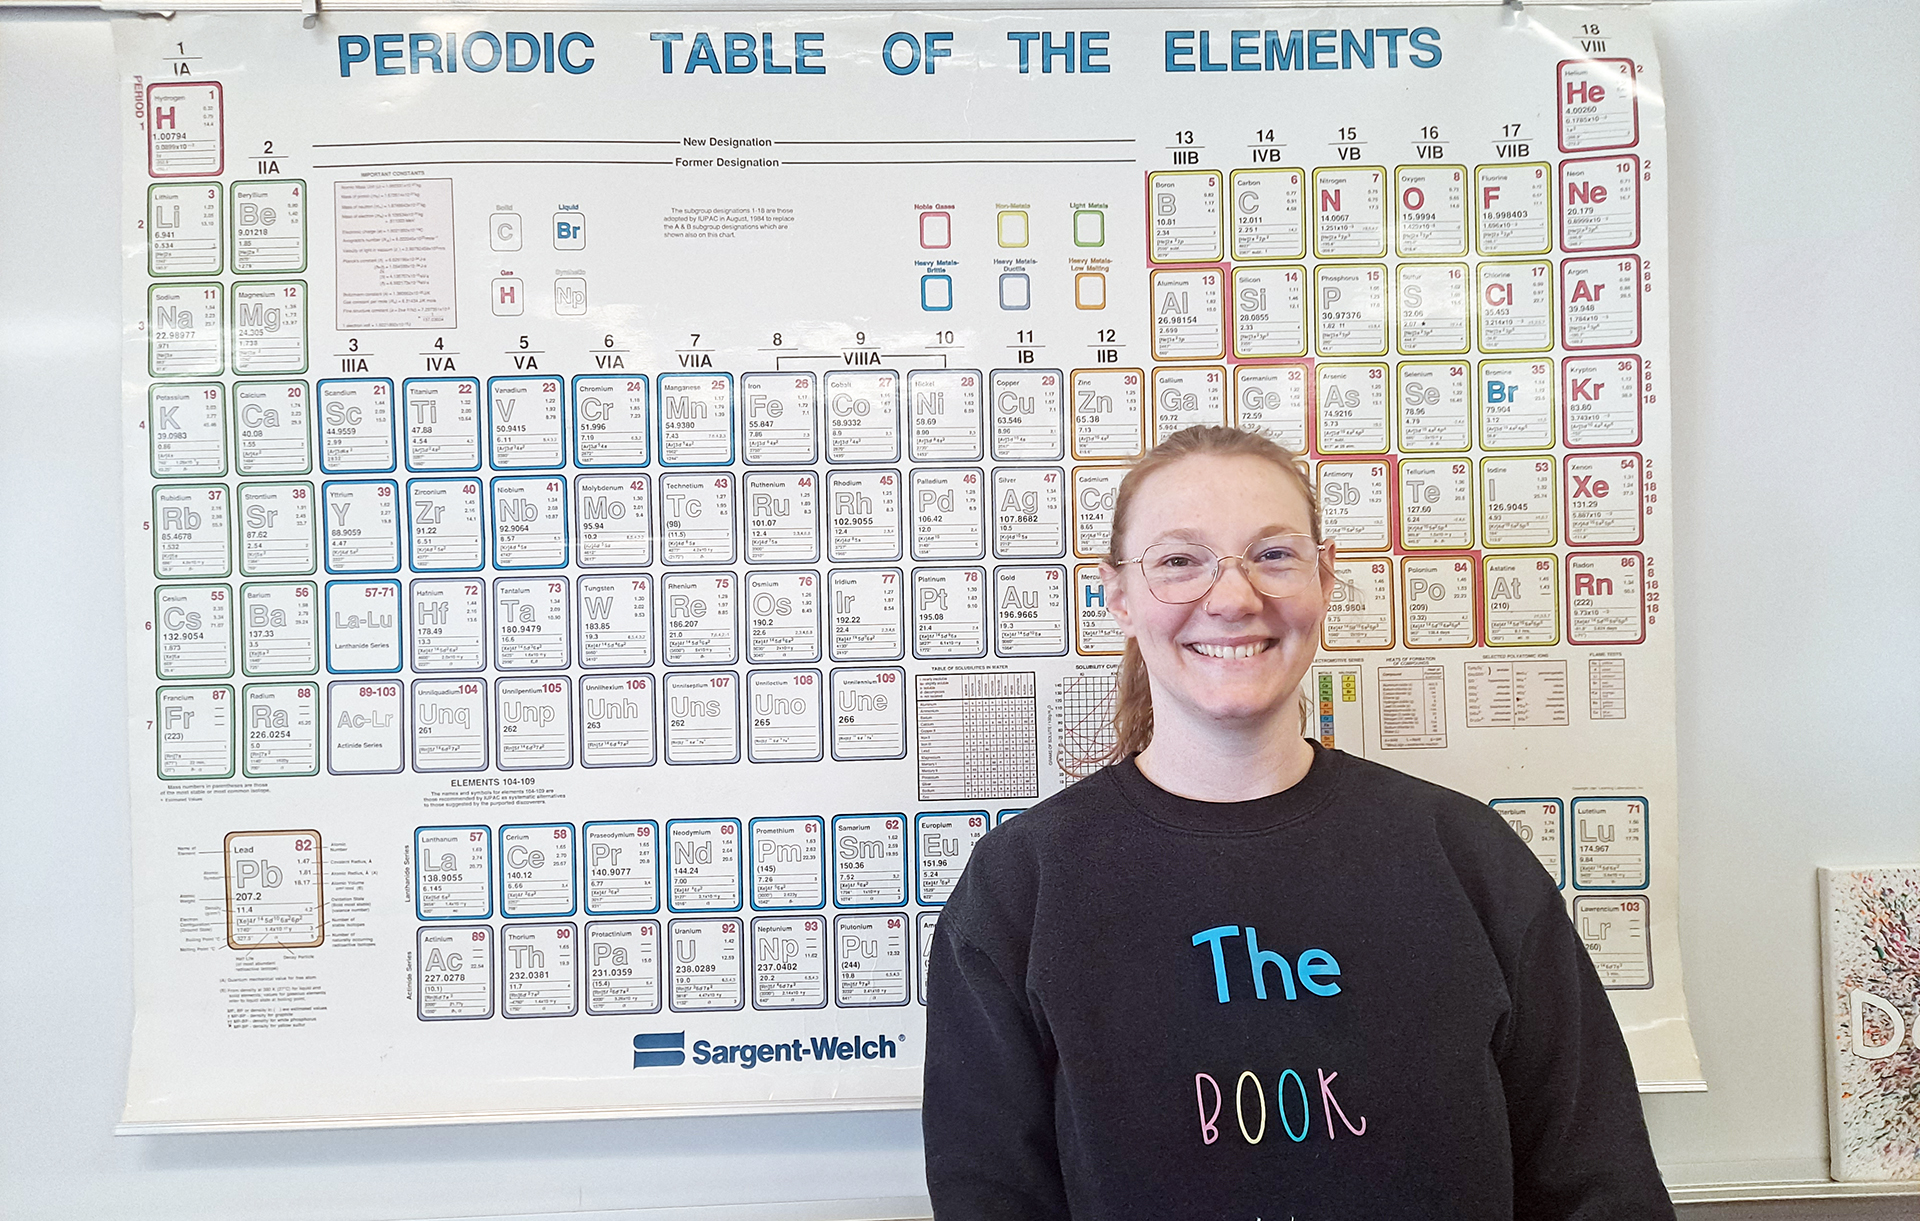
[670, 1050]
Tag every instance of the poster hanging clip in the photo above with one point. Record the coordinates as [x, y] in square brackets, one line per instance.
[1512, 12]
[309, 14]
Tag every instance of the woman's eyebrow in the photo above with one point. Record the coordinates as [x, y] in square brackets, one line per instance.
[1188, 534]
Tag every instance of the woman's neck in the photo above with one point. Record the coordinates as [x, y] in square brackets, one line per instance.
[1226, 764]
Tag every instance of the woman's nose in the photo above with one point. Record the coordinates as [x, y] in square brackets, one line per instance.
[1233, 592]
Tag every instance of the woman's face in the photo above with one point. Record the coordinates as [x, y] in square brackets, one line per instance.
[1235, 656]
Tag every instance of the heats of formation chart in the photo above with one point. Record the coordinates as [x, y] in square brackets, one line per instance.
[614, 503]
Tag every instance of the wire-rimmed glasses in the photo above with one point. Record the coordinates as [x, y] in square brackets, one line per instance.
[1278, 566]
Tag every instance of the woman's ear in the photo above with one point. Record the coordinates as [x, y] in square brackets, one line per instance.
[1116, 595]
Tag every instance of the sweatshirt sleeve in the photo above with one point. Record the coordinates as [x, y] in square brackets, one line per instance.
[988, 1116]
[1580, 1148]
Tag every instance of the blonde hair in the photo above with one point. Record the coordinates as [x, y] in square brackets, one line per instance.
[1132, 696]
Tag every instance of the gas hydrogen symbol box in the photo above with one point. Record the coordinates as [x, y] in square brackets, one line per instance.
[936, 230]
[1013, 228]
[508, 294]
[503, 230]
[569, 231]
[936, 291]
[1016, 290]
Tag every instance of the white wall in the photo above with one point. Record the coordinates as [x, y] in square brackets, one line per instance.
[1796, 237]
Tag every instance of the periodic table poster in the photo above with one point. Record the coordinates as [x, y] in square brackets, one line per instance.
[613, 503]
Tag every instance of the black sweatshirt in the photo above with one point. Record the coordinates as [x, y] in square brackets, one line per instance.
[1358, 998]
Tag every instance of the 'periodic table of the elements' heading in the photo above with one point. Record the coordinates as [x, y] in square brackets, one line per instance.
[621, 583]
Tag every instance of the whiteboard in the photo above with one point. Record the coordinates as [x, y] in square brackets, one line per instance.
[1750, 979]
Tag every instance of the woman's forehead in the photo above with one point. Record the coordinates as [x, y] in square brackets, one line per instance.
[1211, 488]
[1229, 500]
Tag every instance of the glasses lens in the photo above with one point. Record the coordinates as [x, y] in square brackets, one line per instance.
[1178, 572]
[1283, 564]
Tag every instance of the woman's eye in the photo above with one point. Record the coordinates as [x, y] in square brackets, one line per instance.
[1176, 561]
[1276, 555]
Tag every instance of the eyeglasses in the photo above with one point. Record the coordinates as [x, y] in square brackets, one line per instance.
[1279, 567]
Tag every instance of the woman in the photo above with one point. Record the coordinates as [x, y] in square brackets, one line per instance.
[1238, 975]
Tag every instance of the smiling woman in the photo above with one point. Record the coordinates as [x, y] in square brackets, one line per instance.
[1217, 653]
[1238, 974]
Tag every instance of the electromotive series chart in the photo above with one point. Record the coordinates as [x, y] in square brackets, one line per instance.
[614, 503]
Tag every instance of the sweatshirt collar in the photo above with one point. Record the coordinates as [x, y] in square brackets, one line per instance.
[1231, 817]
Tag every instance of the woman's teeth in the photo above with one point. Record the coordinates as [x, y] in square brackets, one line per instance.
[1231, 650]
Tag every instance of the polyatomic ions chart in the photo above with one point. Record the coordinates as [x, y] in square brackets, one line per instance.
[616, 510]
